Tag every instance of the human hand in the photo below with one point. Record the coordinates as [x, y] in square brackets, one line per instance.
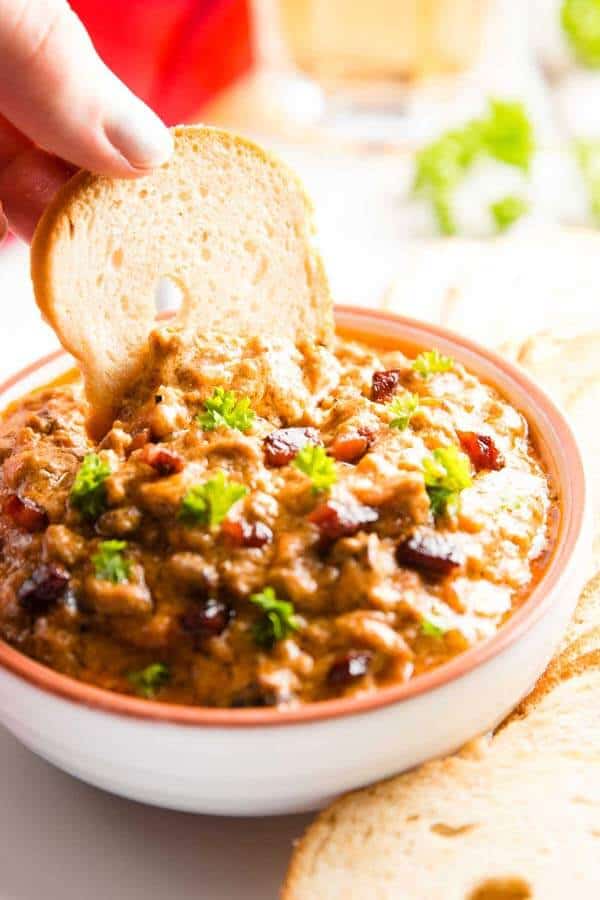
[61, 108]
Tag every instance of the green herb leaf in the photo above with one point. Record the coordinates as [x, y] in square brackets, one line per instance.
[431, 629]
[429, 362]
[278, 619]
[109, 562]
[441, 166]
[580, 20]
[224, 409]
[508, 210]
[209, 503]
[444, 214]
[88, 494]
[588, 158]
[150, 680]
[402, 407]
[504, 133]
[507, 134]
[319, 467]
[447, 472]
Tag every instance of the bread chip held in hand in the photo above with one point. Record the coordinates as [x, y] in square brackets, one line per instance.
[224, 220]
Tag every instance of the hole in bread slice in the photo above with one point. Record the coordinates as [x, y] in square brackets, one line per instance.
[168, 295]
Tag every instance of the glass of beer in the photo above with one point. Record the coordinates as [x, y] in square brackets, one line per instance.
[370, 55]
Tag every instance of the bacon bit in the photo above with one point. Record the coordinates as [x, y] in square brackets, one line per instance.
[43, 588]
[139, 440]
[353, 665]
[246, 534]
[281, 446]
[481, 450]
[384, 384]
[209, 619]
[26, 514]
[162, 460]
[336, 520]
[431, 552]
[352, 446]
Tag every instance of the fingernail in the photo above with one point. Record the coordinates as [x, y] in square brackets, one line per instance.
[140, 136]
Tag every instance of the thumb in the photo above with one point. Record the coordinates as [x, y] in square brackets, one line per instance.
[57, 91]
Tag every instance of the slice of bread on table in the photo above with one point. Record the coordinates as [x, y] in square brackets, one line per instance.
[224, 220]
[520, 820]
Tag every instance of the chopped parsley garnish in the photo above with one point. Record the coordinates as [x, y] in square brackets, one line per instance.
[504, 133]
[580, 20]
[507, 135]
[441, 166]
[277, 621]
[430, 362]
[109, 562]
[431, 629]
[506, 211]
[209, 503]
[402, 408]
[224, 409]
[88, 494]
[147, 682]
[588, 158]
[447, 472]
[319, 467]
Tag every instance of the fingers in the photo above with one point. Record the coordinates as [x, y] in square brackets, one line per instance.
[3, 225]
[29, 177]
[27, 185]
[55, 89]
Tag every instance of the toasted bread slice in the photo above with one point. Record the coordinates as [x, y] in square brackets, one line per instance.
[519, 821]
[224, 220]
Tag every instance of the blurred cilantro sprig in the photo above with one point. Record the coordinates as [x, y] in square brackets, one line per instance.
[504, 133]
[587, 153]
[508, 210]
[580, 20]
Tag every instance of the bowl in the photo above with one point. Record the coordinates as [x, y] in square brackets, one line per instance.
[267, 761]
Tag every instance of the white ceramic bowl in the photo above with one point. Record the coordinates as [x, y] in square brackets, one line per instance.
[265, 761]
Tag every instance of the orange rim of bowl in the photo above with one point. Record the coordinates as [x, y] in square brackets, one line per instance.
[570, 528]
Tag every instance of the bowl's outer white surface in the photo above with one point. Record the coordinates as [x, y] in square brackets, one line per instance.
[261, 770]
[278, 769]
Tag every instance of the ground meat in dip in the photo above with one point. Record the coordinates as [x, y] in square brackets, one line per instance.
[267, 524]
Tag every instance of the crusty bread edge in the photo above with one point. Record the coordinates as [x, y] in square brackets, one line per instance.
[40, 264]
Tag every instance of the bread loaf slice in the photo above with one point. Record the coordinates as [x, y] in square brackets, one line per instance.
[519, 821]
[224, 220]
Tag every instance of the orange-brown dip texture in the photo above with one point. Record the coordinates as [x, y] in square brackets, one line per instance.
[347, 520]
